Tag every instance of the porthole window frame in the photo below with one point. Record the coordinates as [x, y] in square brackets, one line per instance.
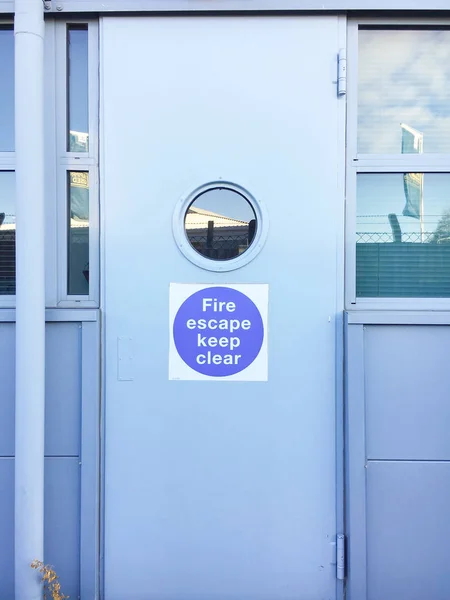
[219, 266]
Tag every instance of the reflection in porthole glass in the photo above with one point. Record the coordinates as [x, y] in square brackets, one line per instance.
[220, 224]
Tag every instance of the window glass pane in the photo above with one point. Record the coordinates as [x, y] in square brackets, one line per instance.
[404, 78]
[403, 235]
[220, 224]
[77, 69]
[78, 243]
[6, 89]
[7, 233]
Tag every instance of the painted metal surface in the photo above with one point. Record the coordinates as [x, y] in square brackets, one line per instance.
[62, 520]
[57, 315]
[408, 530]
[355, 465]
[407, 393]
[7, 370]
[63, 419]
[104, 6]
[243, 5]
[63, 390]
[7, 526]
[30, 295]
[71, 502]
[91, 469]
[397, 480]
[216, 489]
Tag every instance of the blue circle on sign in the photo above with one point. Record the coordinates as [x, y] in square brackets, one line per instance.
[218, 331]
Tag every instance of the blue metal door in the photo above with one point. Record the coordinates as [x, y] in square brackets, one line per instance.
[220, 489]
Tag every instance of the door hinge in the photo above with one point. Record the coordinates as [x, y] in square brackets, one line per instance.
[340, 556]
[342, 72]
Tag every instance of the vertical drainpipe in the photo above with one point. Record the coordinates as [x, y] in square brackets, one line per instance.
[30, 296]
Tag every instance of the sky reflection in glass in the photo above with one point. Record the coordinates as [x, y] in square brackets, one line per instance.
[404, 77]
[6, 89]
[78, 117]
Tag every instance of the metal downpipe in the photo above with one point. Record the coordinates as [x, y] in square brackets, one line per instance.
[30, 296]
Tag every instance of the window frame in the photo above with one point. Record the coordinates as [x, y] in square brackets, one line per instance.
[76, 161]
[7, 163]
[379, 163]
[59, 162]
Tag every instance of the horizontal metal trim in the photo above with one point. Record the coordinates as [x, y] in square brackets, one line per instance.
[405, 163]
[55, 315]
[398, 317]
[71, 6]
[46, 456]
[408, 460]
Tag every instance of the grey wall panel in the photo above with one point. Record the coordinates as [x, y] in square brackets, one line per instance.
[7, 374]
[62, 521]
[7, 528]
[408, 531]
[355, 472]
[72, 387]
[63, 389]
[90, 462]
[407, 383]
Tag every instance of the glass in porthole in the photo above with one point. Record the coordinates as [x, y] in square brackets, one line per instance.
[220, 224]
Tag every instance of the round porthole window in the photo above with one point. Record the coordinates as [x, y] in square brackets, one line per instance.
[220, 226]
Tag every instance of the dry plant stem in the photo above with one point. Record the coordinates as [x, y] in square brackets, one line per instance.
[52, 587]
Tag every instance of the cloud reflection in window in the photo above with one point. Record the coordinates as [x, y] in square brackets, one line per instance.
[404, 77]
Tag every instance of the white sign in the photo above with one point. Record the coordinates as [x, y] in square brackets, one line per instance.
[218, 332]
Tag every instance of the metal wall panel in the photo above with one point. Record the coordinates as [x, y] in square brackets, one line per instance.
[408, 530]
[63, 389]
[398, 484]
[407, 392]
[7, 528]
[72, 454]
[7, 374]
[62, 521]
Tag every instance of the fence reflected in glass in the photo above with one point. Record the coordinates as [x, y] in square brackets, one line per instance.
[403, 235]
[78, 238]
[7, 233]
